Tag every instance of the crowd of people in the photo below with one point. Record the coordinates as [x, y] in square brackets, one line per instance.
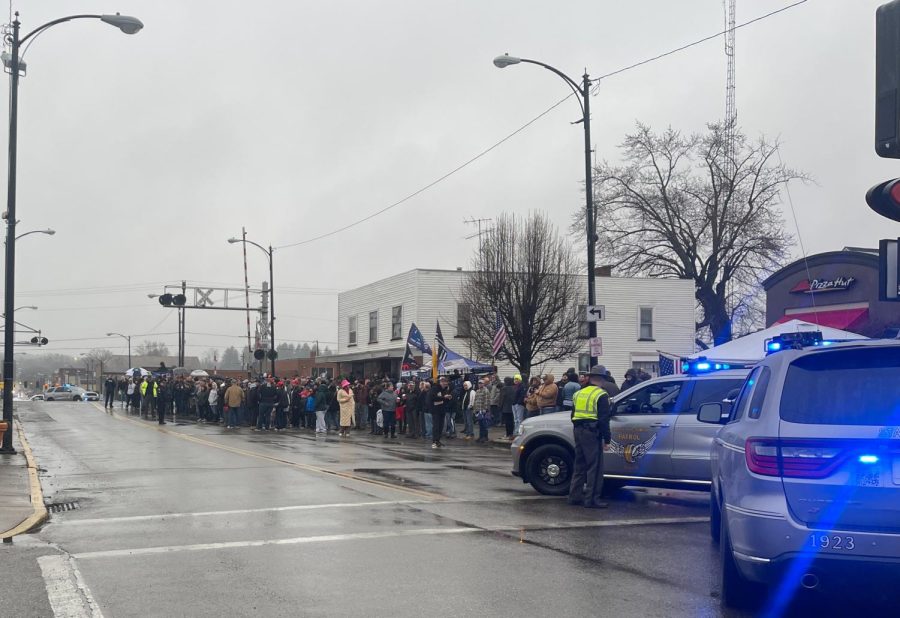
[416, 409]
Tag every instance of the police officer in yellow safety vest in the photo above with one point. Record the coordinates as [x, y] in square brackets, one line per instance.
[590, 420]
[149, 393]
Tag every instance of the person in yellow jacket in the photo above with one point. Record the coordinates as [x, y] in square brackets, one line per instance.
[149, 393]
[348, 406]
[590, 419]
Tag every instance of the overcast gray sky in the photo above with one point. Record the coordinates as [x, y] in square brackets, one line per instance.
[146, 153]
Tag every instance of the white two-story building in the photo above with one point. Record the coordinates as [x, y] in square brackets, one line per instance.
[643, 316]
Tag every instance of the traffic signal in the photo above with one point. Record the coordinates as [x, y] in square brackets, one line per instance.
[887, 80]
[40, 340]
[272, 354]
[167, 300]
[259, 354]
[884, 199]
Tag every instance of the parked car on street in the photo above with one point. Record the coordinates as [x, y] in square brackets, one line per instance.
[806, 471]
[36, 398]
[69, 393]
[656, 437]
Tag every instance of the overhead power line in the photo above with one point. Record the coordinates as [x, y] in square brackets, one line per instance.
[484, 152]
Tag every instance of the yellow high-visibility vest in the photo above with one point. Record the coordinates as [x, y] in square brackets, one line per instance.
[584, 403]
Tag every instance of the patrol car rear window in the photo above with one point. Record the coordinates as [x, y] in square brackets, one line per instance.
[844, 387]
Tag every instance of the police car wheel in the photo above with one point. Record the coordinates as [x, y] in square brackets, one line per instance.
[550, 470]
[76, 398]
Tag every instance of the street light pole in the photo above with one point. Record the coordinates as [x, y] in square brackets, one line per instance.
[128, 25]
[583, 93]
[126, 338]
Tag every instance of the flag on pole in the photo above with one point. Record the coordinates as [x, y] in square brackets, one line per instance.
[499, 336]
[669, 365]
[441, 346]
[409, 361]
[416, 340]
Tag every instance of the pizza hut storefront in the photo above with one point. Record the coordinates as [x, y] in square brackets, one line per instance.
[839, 291]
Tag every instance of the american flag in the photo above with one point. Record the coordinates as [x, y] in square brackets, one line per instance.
[499, 337]
[669, 365]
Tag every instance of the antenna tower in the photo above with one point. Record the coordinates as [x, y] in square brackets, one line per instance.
[730, 107]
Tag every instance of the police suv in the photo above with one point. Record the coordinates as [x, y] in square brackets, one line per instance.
[657, 438]
[806, 470]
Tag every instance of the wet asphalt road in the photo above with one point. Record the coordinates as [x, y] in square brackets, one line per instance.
[194, 520]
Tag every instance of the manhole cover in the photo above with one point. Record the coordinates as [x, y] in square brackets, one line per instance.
[62, 507]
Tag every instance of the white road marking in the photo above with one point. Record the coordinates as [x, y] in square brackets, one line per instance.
[118, 553]
[68, 595]
[275, 509]
[142, 551]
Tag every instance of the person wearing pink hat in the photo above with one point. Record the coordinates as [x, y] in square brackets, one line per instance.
[348, 407]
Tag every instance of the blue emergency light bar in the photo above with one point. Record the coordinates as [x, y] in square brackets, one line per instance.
[797, 341]
[694, 366]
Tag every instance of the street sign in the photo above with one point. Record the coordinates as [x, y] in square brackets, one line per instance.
[596, 313]
[596, 344]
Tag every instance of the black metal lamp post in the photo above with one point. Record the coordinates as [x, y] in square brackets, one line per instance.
[126, 338]
[273, 354]
[582, 92]
[128, 25]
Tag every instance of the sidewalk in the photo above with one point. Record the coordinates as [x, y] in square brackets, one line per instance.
[17, 513]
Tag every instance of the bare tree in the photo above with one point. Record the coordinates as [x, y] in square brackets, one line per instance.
[680, 206]
[102, 357]
[526, 274]
[152, 348]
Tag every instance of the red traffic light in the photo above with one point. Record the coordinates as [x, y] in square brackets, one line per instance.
[884, 199]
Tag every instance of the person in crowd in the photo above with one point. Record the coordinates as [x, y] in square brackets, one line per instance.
[234, 399]
[569, 389]
[166, 397]
[361, 396]
[467, 405]
[149, 392]
[631, 379]
[401, 408]
[213, 400]
[310, 406]
[268, 398]
[131, 396]
[442, 400]
[333, 411]
[413, 412]
[282, 403]
[482, 407]
[590, 426]
[518, 403]
[604, 380]
[546, 395]
[252, 403]
[507, 399]
[298, 404]
[427, 405]
[110, 386]
[496, 389]
[347, 404]
[321, 403]
[531, 406]
[388, 402]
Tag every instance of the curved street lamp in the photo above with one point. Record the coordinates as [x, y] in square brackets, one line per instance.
[268, 253]
[583, 94]
[48, 232]
[128, 25]
[126, 338]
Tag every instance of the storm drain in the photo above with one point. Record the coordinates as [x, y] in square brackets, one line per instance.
[62, 507]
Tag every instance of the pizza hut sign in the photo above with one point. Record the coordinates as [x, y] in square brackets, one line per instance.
[838, 284]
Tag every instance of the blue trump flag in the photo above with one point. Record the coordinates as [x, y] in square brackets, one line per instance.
[416, 340]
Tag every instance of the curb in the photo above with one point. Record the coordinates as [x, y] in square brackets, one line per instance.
[39, 515]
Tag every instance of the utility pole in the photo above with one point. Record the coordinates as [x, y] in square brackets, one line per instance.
[478, 222]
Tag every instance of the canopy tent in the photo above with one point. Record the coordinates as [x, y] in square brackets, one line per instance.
[452, 362]
[752, 348]
[137, 372]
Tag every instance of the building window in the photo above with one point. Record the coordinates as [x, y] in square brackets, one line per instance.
[646, 327]
[397, 322]
[584, 329]
[351, 330]
[373, 327]
[463, 320]
[584, 363]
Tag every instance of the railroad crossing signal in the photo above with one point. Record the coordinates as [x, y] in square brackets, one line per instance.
[596, 313]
